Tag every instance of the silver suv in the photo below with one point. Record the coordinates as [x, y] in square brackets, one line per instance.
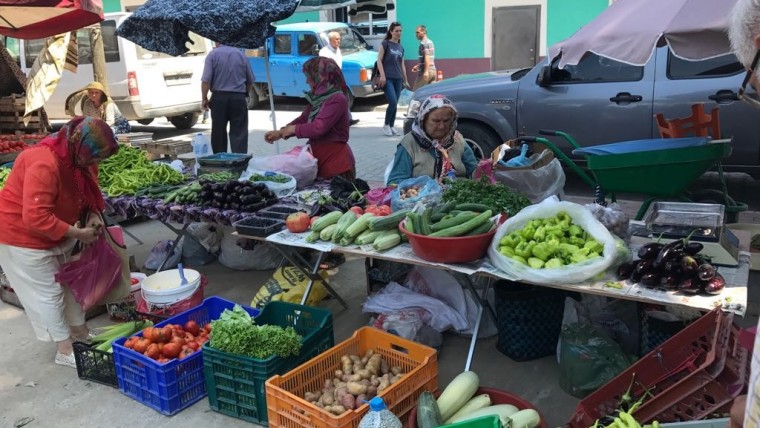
[600, 101]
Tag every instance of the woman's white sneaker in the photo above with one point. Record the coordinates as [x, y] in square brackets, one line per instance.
[67, 360]
[395, 132]
[387, 131]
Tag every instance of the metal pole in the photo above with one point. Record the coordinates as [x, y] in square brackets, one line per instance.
[98, 55]
[272, 115]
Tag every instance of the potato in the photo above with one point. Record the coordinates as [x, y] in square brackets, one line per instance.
[374, 380]
[371, 391]
[339, 373]
[356, 388]
[355, 377]
[383, 367]
[385, 382]
[373, 364]
[396, 370]
[347, 364]
[360, 399]
[337, 410]
[328, 398]
[396, 378]
[349, 402]
[311, 396]
[364, 373]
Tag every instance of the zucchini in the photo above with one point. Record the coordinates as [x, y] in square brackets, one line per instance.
[428, 415]
[367, 237]
[326, 220]
[503, 411]
[312, 237]
[347, 219]
[387, 240]
[526, 418]
[457, 393]
[326, 233]
[359, 226]
[472, 207]
[477, 402]
[453, 221]
[389, 221]
[465, 227]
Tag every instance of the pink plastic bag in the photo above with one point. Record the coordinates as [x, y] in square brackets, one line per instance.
[379, 196]
[93, 275]
[298, 162]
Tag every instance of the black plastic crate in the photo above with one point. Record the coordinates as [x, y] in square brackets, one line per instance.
[225, 159]
[278, 211]
[259, 226]
[97, 366]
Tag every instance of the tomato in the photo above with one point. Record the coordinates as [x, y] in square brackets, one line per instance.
[186, 352]
[193, 345]
[378, 210]
[313, 220]
[178, 339]
[141, 345]
[171, 350]
[134, 281]
[168, 333]
[357, 210]
[153, 352]
[156, 335]
[207, 327]
[192, 327]
[148, 332]
[297, 222]
[130, 343]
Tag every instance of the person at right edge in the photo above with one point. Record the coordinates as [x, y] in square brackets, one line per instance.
[390, 64]
[227, 74]
[425, 69]
[744, 33]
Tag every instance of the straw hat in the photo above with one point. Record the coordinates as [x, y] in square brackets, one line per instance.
[78, 96]
[96, 85]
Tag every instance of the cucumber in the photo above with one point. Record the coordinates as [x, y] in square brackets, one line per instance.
[428, 414]
[425, 222]
[483, 228]
[465, 227]
[453, 221]
[472, 207]
[444, 208]
[389, 221]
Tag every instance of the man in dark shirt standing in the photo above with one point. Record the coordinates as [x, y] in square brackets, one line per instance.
[228, 75]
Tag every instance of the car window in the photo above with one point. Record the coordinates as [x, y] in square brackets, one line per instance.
[307, 44]
[594, 68]
[282, 43]
[350, 40]
[196, 46]
[110, 45]
[725, 65]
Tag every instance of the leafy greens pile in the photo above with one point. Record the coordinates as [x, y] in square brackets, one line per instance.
[497, 196]
[234, 332]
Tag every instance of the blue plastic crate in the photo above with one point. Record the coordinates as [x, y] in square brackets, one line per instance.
[225, 159]
[175, 385]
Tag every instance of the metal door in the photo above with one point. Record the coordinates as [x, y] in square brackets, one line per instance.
[514, 42]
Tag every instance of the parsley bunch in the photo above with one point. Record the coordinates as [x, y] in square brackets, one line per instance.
[234, 332]
[497, 196]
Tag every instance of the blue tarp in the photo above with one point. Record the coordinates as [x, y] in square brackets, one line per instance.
[162, 25]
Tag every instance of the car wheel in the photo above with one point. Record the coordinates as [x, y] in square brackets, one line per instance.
[481, 139]
[253, 99]
[145, 121]
[184, 121]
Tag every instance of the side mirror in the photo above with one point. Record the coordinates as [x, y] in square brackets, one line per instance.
[544, 77]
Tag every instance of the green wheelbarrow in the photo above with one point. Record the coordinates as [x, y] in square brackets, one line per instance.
[661, 169]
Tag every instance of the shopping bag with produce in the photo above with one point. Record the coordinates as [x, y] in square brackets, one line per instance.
[553, 242]
[417, 189]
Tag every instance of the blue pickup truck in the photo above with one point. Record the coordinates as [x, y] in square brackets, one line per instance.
[294, 44]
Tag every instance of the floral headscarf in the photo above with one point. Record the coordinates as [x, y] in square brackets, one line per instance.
[77, 144]
[328, 81]
[431, 103]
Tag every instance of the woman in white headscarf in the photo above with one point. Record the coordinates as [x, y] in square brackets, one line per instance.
[434, 147]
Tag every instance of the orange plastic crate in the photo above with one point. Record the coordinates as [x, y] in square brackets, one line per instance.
[286, 408]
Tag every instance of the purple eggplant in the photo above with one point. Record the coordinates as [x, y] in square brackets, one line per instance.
[693, 248]
[690, 286]
[670, 281]
[625, 270]
[650, 251]
[715, 285]
[650, 279]
[706, 271]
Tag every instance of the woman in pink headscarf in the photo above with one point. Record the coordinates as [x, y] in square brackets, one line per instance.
[325, 121]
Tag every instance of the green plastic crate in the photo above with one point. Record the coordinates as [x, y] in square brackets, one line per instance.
[484, 422]
[235, 384]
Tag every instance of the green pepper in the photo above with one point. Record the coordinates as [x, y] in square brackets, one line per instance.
[528, 231]
[519, 259]
[510, 240]
[535, 263]
[593, 246]
[540, 233]
[543, 251]
[553, 263]
[525, 249]
[575, 230]
[507, 251]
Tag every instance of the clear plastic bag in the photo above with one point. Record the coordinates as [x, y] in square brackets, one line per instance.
[613, 218]
[428, 191]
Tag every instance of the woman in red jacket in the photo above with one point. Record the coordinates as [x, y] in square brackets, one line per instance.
[50, 186]
[325, 121]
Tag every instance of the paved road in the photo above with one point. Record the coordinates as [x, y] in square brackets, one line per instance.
[373, 150]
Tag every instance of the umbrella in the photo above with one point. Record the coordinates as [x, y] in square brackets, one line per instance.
[629, 31]
[37, 19]
[162, 25]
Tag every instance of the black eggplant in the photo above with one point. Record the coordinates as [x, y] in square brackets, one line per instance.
[651, 279]
[672, 267]
[693, 248]
[644, 266]
[715, 285]
[670, 280]
[625, 270]
[230, 186]
[706, 271]
[650, 250]
[668, 252]
[250, 199]
[690, 286]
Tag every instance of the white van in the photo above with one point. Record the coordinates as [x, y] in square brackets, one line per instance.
[144, 84]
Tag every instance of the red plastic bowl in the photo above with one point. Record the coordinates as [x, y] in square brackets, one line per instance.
[460, 249]
[497, 397]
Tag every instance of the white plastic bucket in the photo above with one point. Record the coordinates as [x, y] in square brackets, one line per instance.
[164, 287]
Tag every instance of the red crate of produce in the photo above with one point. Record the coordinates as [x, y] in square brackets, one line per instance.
[287, 408]
[690, 376]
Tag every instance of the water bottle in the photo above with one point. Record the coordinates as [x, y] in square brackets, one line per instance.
[200, 149]
[379, 416]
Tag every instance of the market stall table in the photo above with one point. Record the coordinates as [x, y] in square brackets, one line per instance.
[733, 298]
